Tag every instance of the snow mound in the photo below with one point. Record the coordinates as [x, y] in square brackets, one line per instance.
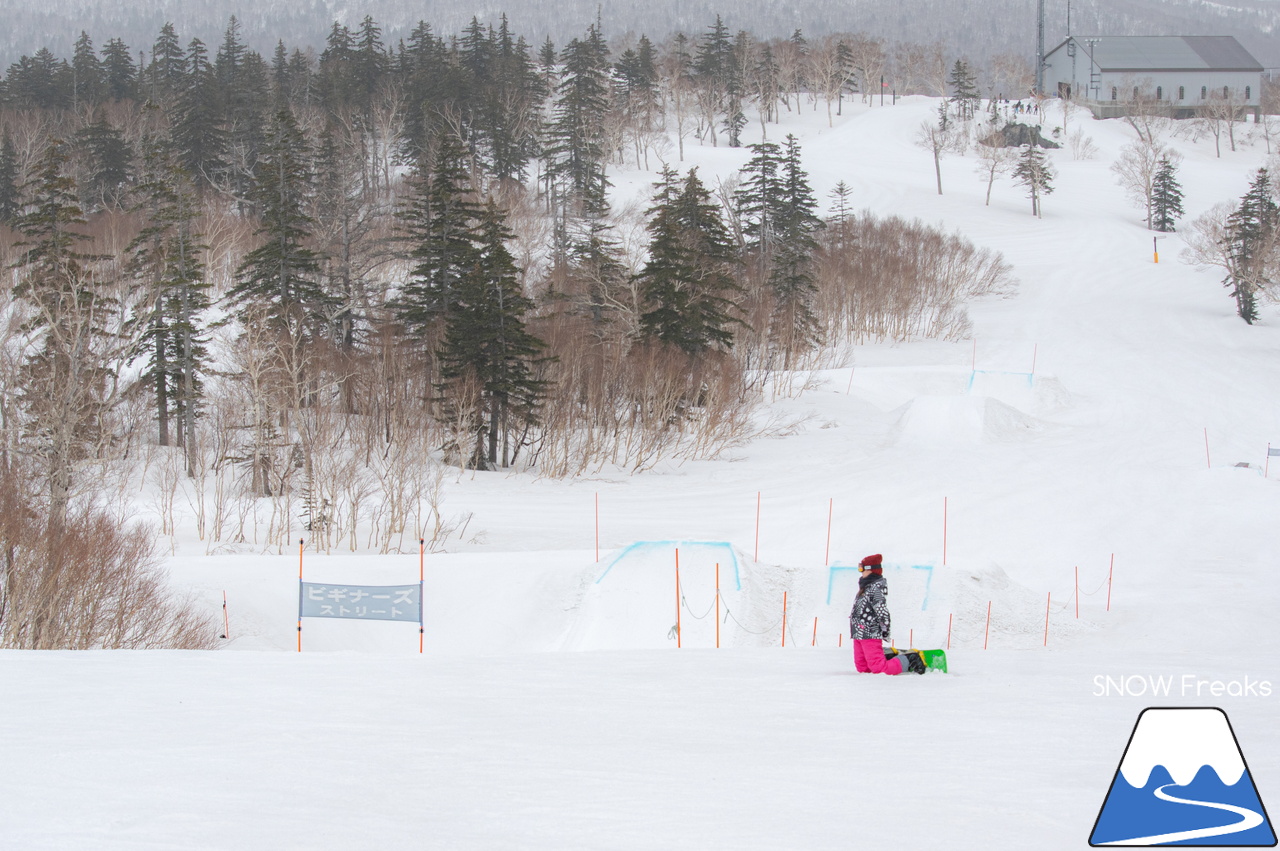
[1017, 612]
[962, 420]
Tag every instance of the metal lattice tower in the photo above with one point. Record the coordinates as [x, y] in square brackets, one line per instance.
[1040, 47]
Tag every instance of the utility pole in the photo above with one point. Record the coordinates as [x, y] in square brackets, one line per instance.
[1040, 47]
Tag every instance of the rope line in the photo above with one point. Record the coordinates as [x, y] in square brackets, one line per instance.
[684, 602]
[1096, 590]
[729, 615]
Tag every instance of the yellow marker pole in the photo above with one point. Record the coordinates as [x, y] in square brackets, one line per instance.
[717, 605]
[679, 643]
[1155, 249]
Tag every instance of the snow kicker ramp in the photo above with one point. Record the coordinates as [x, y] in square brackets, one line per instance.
[632, 603]
[934, 420]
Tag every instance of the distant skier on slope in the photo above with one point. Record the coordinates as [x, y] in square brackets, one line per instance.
[869, 624]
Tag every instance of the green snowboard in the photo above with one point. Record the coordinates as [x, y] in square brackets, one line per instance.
[935, 660]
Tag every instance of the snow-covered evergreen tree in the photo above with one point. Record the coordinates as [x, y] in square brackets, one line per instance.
[1035, 173]
[1166, 197]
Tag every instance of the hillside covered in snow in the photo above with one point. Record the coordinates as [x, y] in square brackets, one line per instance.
[1075, 499]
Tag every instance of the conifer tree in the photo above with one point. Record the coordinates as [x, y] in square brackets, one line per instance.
[1251, 244]
[688, 286]
[87, 78]
[110, 161]
[438, 225]
[65, 388]
[1034, 172]
[281, 277]
[791, 277]
[713, 68]
[846, 67]
[488, 355]
[230, 56]
[281, 84]
[370, 61]
[766, 79]
[119, 73]
[513, 102]
[1166, 197]
[841, 212]
[166, 261]
[591, 275]
[40, 81]
[10, 180]
[576, 149]
[166, 75]
[841, 195]
[335, 78]
[759, 199]
[199, 133]
[964, 91]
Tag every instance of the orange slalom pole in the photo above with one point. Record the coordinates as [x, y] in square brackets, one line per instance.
[949, 617]
[784, 618]
[422, 602]
[831, 507]
[1110, 573]
[814, 643]
[987, 635]
[226, 623]
[1047, 601]
[300, 545]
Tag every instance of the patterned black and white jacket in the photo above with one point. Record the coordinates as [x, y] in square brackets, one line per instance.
[870, 615]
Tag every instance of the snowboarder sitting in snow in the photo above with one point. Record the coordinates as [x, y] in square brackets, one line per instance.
[869, 624]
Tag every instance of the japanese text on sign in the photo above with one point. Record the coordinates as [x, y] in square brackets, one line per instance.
[361, 602]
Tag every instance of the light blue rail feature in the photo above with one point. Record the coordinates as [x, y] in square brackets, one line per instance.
[1030, 376]
[650, 546]
[928, 579]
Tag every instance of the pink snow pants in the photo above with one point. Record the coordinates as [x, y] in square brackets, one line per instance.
[868, 657]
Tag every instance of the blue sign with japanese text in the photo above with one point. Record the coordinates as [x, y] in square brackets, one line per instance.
[361, 602]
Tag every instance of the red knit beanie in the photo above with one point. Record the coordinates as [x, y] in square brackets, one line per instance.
[871, 561]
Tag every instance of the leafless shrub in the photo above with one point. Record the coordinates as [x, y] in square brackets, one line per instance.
[91, 582]
[895, 279]
[612, 402]
[1082, 146]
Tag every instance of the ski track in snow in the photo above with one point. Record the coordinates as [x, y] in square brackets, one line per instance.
[1248, 820]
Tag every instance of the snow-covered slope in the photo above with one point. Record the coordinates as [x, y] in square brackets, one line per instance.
[1092, 464]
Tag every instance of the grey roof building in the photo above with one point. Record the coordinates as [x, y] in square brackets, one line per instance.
[1111, 74]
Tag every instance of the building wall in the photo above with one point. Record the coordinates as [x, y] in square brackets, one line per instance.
[1058, 70]
[1191, 82]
